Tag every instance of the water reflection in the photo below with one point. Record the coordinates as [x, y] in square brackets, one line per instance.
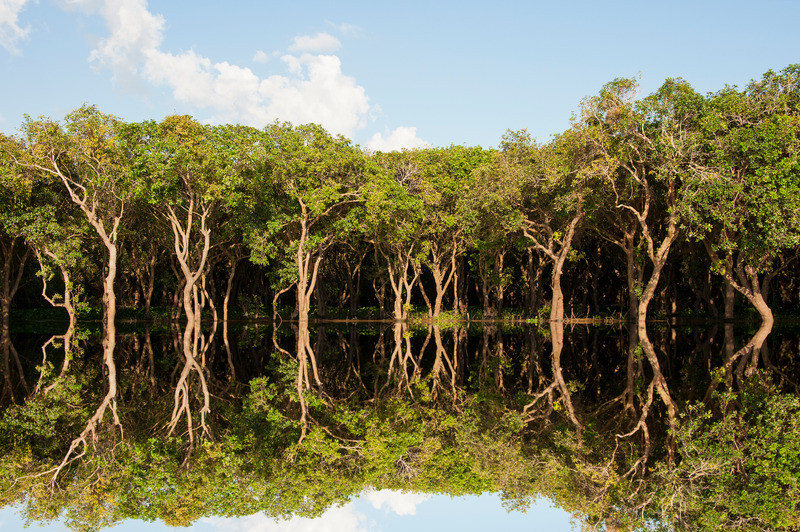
[621, 426]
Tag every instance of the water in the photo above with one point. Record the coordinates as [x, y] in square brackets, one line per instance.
[617, 430]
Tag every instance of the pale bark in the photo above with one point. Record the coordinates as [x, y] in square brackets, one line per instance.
[397, 267]
[744, 278]
[192, 256]
[543, 238]
[443, 269]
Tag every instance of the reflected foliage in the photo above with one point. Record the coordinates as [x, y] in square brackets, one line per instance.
[526, 412]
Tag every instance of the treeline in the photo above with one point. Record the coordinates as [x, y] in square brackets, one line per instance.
[676, 197]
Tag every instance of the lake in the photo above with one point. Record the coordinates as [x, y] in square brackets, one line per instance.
[694, 426]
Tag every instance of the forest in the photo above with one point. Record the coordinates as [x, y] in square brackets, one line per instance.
[701, 191]
[649, 211]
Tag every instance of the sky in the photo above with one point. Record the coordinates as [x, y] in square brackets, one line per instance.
[373, 511]
[388, 75]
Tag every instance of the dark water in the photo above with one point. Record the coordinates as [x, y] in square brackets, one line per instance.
[689, 427]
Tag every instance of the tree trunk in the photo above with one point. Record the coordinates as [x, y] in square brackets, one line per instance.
[533, 277]
[499, 287]
[658, 259]
[11, 279]
[634, 273]
[460, 287]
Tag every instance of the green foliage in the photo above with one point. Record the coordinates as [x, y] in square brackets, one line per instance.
[743, 197]
[739, 469]
[44, 422]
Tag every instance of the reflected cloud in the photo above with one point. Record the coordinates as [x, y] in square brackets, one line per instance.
[399, 502]
[344, 518]
[337, 519]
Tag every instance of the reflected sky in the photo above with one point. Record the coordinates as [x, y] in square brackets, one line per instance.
[375, 511]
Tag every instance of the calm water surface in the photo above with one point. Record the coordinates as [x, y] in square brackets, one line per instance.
[346, 426]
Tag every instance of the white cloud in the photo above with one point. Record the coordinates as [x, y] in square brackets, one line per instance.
[335, 519]
[320, 43]
[10, 30]
[400, 502]
[135, 32]
[399, 139]
[315, 89]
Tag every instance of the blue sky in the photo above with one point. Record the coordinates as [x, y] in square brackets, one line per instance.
[386, 74]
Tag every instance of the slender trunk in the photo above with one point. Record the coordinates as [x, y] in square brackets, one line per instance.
[483, 272]
[442, 275]
[306, 273]
[500, 288]
[534, 275]
[228, 290]
[659, 260]
[729, 297]
[424, 293]
[11, 279]
[151, 283]
[460, 287]
[534, 233]
[634, 275]
[275, 315]
[397, 268]
[557, 303]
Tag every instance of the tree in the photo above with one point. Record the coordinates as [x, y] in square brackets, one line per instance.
[650, 146]
[317, 178]
[491, 219]
[444, 175]
[393, 213]
[16, 191]
[558, 188]
[85, 157]
[743, 198]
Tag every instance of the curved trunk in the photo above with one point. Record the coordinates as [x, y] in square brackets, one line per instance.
[743, 278]
[659, 260]
[760, 304]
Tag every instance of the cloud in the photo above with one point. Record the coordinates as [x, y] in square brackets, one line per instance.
[315, 89]
[335, 519]
[343, 518]
[344, 28]
[135, 32]
[400, 502]
[10, 30]
[320, 43]
[399, 139]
